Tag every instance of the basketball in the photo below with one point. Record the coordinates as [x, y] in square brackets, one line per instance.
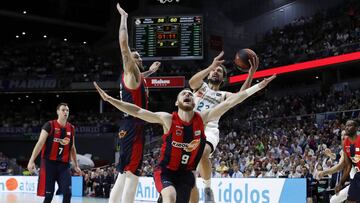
[242, 59]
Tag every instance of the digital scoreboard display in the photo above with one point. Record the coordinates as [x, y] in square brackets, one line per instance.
[168, 38]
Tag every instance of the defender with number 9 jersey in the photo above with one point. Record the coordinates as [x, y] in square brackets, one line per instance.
[180, 154]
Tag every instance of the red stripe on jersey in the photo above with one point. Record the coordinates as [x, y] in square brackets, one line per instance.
[137, 94]
[55, 145]
[136, 152]
[157, 179]
[42, 179]
[67, 148]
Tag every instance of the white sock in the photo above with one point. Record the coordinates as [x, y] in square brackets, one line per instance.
[207, 183]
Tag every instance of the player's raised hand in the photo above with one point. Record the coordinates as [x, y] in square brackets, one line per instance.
[266, 81]
[320, 175]
[121, 10]
[102, 93]
[155, 66]
[254, 64]
[218, 60]
[31, 166]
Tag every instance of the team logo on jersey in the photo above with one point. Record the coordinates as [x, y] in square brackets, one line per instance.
[56, 130]
[178, 132]
[218, 94]
[188, 147]
[179, 126]
[122, 133]
[198, 132]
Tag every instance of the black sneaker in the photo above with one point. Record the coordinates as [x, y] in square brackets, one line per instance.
[209, 195]
[159, 199]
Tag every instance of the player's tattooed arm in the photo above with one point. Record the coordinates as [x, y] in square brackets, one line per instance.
[162, 118]
[129, 64]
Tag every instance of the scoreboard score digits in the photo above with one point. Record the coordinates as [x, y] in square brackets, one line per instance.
[169, 37]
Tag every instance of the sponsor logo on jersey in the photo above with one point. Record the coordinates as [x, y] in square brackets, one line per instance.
[218, 94]
[188, 147]
[64, 141]
[179, 126]
[198, 132]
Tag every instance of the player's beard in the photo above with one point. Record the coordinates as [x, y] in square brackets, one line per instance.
[215, 81]
[185, 108]
[140, 65]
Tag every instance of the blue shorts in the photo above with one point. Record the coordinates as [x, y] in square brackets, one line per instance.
[51, 171]
[131, 139]
[354, 189]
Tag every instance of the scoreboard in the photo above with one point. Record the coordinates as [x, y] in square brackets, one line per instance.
[169, 37]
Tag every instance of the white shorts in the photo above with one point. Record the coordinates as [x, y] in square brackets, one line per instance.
[341, 197]
[212, 137]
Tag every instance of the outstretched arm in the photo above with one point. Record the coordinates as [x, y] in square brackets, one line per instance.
[346, 173]
[129, 64]
[153, 68]
[333, 169]
[162, 118]
[196, 80]
[232, 101]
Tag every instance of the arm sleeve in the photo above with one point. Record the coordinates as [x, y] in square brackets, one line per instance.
[47, 127]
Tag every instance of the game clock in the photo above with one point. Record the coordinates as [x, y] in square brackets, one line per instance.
[169, 38]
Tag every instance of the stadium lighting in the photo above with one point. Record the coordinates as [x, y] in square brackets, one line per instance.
[45, 36]
[308, 65]
[317, 77]
[24, 12]
[17, 36]
[65, 39]
[23, 33]
[84, 42]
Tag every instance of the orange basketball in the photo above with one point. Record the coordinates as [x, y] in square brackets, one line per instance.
[242, 58]
[11, 184]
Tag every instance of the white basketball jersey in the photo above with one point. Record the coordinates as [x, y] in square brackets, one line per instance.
[206, 98]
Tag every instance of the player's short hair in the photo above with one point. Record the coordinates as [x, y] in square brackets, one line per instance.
[183, 90]
[224, 70]
[61, 104]
[356, 124]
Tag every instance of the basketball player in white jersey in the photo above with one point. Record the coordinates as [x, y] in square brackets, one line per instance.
[342, 195]
[208, 95]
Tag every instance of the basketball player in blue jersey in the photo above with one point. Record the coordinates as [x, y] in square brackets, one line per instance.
[207, 96]
[131, 137]
[183, 135]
